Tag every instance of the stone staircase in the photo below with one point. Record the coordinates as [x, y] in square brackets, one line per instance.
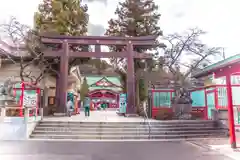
[162, 130]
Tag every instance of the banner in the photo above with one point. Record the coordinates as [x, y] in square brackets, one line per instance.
[122, 103]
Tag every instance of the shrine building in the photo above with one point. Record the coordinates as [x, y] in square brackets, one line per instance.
[104, 90]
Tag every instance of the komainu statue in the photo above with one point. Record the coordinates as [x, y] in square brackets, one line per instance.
[182, 104]
[6, 93]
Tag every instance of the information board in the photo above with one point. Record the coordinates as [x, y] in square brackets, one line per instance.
[30, 99]
[122, 103]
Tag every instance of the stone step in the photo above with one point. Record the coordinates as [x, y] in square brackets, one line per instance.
[174, 129]
[128, 132]
[127, 125]
[57, 128]
[124, 123]
[112, 137]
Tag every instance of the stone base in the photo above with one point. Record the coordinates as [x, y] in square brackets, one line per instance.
[131, 115]
[59, 114]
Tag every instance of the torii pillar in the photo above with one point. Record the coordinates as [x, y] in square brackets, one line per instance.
[131, 109]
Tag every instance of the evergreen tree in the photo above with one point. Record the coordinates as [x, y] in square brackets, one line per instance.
[135, 18]
[84, 89]
[64, 17]
[142, 90]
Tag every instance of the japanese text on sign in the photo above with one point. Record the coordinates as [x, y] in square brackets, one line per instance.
[30, 99]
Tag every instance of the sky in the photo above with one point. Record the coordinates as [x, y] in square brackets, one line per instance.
[219, 18]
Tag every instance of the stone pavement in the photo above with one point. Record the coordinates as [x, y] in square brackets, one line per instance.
[46, 150]
[222, 146]
[97, 116]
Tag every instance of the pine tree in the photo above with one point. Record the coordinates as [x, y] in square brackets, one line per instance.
[84, 89]
[135, 18]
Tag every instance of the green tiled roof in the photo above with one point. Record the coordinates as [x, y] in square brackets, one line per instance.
[116, 89]
[209, 69]
[115, 80]
[93, 79]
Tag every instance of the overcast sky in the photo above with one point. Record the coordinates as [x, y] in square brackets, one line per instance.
[220, 18]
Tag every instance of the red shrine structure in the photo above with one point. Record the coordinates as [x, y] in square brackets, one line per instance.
[104, 90]
[227, 69]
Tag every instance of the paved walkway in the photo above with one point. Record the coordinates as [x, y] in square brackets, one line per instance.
[49, 150]
[222, 146]
[97, 116]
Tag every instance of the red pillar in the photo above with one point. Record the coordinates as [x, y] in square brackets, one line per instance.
[21, 99]
[206, 106]
[38, 100]
[230, 113]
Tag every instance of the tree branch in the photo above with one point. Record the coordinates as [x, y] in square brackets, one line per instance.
[184, 48]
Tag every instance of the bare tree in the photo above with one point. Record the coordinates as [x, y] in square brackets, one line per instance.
[25, 51]
[185, 53]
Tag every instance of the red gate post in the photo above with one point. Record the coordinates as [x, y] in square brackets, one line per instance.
[230, 113]
[206, 106]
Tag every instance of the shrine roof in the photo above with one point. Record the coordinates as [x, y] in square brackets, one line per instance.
[216, 66]
[115, 89]
[112, 79]
[104, 82]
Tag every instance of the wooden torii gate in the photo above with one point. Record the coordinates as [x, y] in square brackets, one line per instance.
[65, 52]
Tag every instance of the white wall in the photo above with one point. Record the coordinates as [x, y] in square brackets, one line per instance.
[16, 128]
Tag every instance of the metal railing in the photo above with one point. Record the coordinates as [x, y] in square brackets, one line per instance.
[146, 120]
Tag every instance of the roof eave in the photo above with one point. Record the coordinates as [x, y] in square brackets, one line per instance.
[212, 70]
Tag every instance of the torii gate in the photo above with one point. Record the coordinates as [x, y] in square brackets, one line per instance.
[64, 53]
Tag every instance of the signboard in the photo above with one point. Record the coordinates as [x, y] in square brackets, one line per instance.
[237, 115]
[30, 99]
[122, 103]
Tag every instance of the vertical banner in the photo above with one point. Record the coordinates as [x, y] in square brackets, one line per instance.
[122, 102]
[238, 116]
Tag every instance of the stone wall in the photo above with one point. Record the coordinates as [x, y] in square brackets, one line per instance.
[16, 128]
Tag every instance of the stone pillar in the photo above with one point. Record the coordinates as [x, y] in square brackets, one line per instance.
[63, 82]
[26, 114]
[57, 90]
[131, 108]
[41, 113]
[3, 113]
